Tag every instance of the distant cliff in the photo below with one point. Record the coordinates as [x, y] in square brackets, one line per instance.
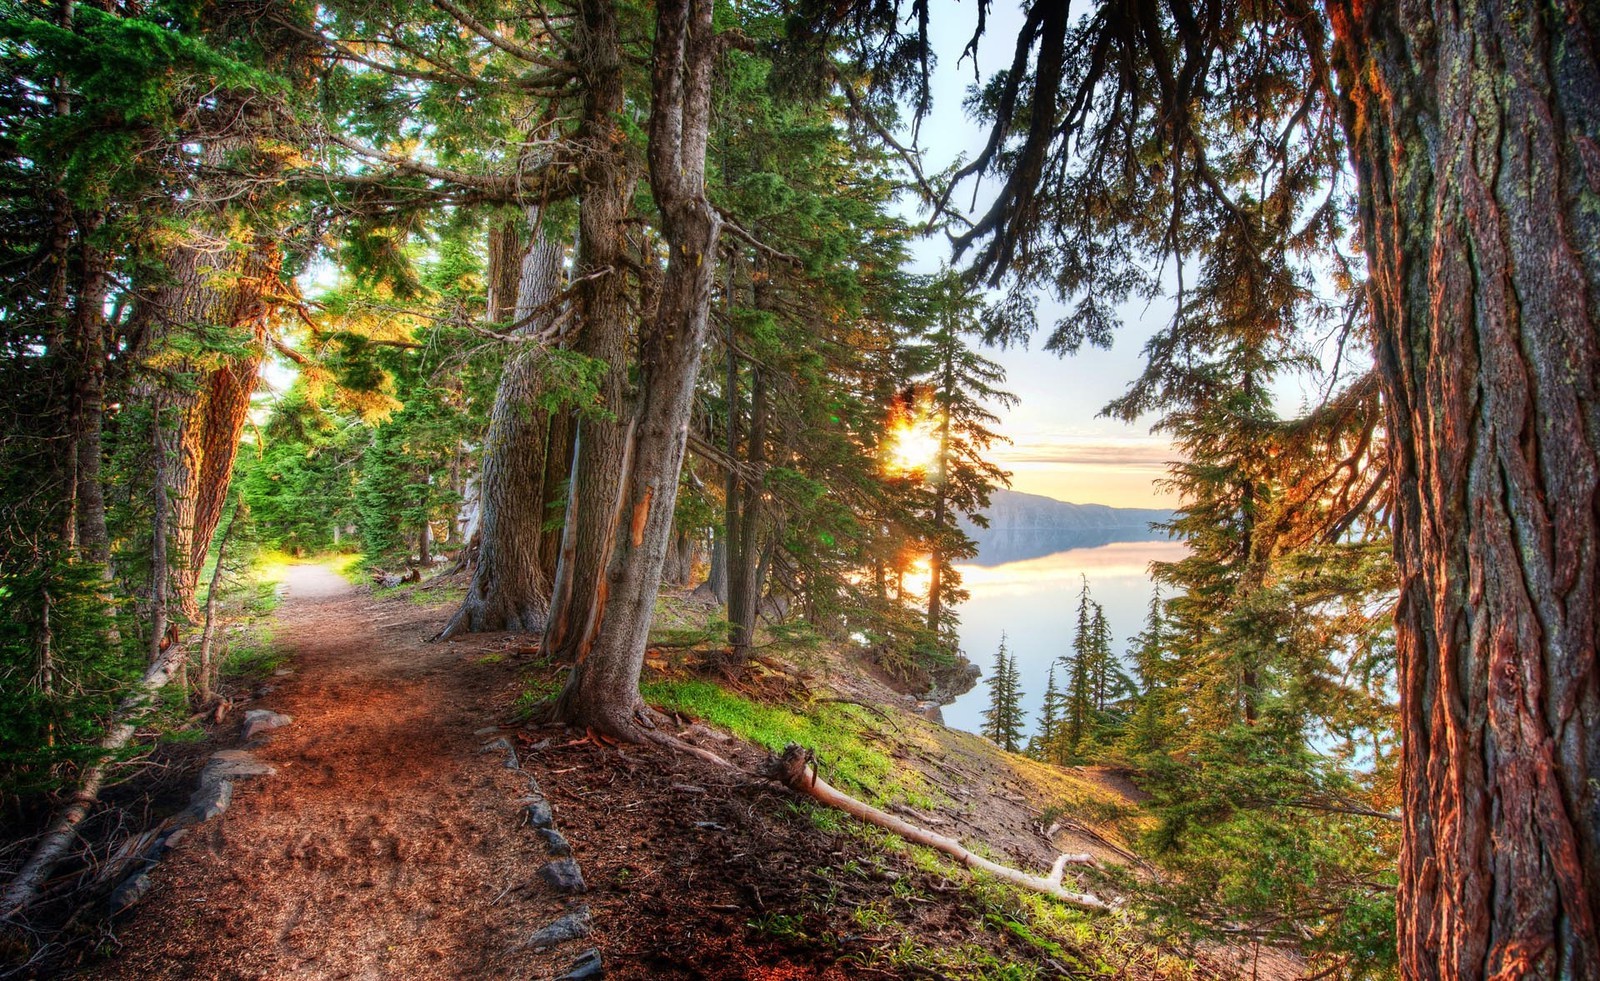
[1028, 526]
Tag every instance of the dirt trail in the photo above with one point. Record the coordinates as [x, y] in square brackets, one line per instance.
[386, 846]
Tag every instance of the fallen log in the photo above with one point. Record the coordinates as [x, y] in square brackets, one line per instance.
[796, 770]
[22, 890]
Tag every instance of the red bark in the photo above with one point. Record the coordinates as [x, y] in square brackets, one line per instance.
[1475, 131]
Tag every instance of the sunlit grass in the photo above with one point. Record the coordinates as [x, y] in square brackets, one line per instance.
[838, 733]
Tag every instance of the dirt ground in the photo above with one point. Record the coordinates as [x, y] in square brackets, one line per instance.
[389, 844]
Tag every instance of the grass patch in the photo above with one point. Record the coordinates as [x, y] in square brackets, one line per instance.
[835, 730]
[253, 657]
[349, 566]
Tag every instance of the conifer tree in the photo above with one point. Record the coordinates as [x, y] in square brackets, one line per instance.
[1080, 664]
[964, 391]
[1042, 745]
[1003, 719]
[1102, 670]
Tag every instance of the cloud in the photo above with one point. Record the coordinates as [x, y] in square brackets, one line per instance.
[1144, 454]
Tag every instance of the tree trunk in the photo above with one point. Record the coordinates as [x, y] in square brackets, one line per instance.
[744, 580]
[797, 771]
[936, 556]
[160, 531]
[579, 594]
[508, 590]
[210, 285]
[506, 262]
[89, 324]
[1474, 129]
[680, 558]
[206, 669]
[602, 691]
[553, 491]
[716, 584]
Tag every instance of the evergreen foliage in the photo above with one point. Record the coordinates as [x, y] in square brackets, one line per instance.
[1004, 718]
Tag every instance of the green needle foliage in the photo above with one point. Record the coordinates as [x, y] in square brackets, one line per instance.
[1003, 720]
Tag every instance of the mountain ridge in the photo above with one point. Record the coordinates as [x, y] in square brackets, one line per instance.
[1026, 526]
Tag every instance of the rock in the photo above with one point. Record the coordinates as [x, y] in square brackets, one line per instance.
[555, 842]
[539, 813]
[211, 800]
[234, 764]
[511, 761]
[134, 888]
[563, 874]
[257, 721]
[572, 926]
[283, 672]
[486, 731]
[494, 744]
[586, 968]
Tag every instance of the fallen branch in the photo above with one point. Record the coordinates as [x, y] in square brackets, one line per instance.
[25, 887]
[795, 770]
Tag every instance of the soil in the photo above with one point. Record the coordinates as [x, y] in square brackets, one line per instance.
[391, 844]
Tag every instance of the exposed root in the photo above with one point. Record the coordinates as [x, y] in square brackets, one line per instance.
[674, 743]
[796, 769]
[646, 727]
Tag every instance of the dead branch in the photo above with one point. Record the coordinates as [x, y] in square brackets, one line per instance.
[22, 890]
[796, 770]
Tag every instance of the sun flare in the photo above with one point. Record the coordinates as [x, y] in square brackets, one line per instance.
[911, 446]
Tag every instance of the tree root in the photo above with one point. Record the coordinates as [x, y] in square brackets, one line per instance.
[796, 770]
[678, 745]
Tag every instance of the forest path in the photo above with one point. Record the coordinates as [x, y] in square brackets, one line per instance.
[386, 846]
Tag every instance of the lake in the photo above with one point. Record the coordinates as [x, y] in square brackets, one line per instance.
[1034, 601]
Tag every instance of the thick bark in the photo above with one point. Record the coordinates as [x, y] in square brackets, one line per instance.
[579, 594]
[210, 285]
[1474, 129]
[602, 691]
[506, 258]
[508, 589]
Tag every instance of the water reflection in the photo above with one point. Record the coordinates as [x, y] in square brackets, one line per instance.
[1035, 602]
[1003, 546]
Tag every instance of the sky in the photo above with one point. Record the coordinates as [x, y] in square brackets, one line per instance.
[1059, 448]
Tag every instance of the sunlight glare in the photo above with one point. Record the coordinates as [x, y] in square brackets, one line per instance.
[911, 446]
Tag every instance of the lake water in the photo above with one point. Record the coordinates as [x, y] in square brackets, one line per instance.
[1033, 599]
